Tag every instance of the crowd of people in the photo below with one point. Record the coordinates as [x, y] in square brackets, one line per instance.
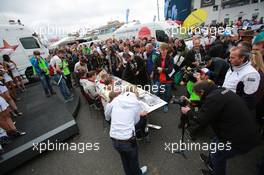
[233, 63]
[208, 67]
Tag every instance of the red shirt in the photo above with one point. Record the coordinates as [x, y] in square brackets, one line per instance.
[163, 78]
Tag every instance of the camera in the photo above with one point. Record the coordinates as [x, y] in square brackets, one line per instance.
[189, 74]
[181, 101]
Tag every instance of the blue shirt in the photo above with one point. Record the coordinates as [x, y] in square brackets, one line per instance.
[151, 58]
[35, 63]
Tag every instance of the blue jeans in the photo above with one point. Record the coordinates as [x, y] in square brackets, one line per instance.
[63, 87]
[155, 83]
[129, 156]
[166, 92]
[219, 158]
[45, 81]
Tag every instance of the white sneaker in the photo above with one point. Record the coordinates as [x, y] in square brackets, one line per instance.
[144, 169]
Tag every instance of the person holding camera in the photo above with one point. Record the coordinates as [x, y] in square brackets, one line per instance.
[231, 121]
[217, 66]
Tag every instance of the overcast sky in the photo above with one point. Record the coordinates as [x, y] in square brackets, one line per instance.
[73, 14]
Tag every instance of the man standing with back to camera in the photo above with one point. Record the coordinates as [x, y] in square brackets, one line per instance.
[231, 121]
[125, 113]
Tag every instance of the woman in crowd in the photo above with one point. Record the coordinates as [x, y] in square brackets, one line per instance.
[12, 68]
[7, 79]
[4, 93]
[163, 68]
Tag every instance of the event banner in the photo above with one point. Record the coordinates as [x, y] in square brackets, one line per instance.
[177, 9]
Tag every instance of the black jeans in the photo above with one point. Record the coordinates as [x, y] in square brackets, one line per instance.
[218, 159]
[129, 156]
[261, 168]
[140, 127]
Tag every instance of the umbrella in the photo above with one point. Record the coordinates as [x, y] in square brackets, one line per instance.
[196, 18]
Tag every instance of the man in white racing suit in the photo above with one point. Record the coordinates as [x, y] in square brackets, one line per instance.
[242, 78]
